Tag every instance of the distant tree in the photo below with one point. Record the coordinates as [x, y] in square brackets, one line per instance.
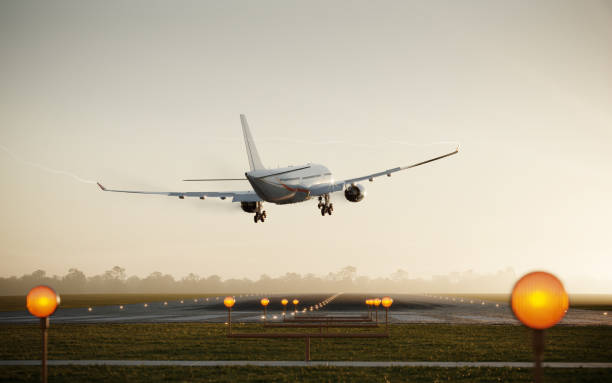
[117, 273]
[74, 281]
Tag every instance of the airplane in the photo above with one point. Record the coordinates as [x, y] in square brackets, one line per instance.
[286, 185]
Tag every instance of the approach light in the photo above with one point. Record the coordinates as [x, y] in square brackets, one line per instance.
[284, 302]
[120, 307]
[377, 302]
[42, 301]
[539, 300]
[146, 305]
[264, 302]
[89, 309]
[387, 302]
[295, 302]
[229, 302]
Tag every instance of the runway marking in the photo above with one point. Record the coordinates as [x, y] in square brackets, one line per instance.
[296, 363]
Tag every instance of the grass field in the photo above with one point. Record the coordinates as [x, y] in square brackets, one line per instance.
[197, 341]
[18, 302]
[298, 374]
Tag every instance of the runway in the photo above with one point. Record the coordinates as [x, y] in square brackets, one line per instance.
[406, 308]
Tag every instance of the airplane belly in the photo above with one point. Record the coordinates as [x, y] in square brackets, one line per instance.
[271, 192]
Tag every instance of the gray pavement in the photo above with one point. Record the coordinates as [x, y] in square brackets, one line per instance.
[276, 363]
[406, 309]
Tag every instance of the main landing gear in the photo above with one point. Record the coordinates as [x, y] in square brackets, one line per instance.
[259, 215]
[326, 207]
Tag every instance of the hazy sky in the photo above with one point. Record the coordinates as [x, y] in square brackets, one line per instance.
[140, 94]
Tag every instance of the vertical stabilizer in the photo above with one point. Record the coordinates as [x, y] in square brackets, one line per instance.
[254, 160]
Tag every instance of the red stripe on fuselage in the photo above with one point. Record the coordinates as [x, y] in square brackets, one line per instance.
[295, 189]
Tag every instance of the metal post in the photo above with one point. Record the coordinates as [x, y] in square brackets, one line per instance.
[387, 318]
[229, 320]
[265, 314]
[376, 314]
[538, 348]
[307, 348]
[44, 326]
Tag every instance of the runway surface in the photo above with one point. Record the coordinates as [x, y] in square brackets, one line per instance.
[276, 363]
[406, 309]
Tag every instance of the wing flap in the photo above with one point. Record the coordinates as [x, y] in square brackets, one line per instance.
[237, 196]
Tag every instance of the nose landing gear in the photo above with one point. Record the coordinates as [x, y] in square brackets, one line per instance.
[326, 207]
[259, 215]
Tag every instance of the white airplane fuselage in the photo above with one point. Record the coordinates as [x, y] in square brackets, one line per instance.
[291, 184]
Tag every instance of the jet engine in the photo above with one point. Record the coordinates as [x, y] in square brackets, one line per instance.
[355, 193]
[249, 207]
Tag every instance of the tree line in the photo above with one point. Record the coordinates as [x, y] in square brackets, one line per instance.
[346, 279]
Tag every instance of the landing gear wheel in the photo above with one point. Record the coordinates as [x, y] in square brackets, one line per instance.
[255, 218]
[323, 211]
[263, 215]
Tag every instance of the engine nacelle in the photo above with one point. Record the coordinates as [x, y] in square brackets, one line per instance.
[249, 207]
[355, 193]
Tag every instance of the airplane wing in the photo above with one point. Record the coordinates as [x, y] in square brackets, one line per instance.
[237, 196]
[338, 186]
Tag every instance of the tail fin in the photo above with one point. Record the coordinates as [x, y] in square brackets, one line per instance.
[254, 160]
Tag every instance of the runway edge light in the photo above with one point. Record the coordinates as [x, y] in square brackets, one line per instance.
[42, 301]
[229, 302]
[539, 301]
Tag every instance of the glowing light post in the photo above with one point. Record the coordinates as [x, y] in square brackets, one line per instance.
[229, 303]
[377, 303]
[539, 301]
[295, 303]
[387, 302]
[284, 303]
[264, 302]
[41, 302]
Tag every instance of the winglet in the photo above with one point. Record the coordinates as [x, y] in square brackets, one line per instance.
[101, 187]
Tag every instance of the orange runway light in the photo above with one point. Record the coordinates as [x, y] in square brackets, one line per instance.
[539, 300]
[284, 302]
[42, 301]
[229, 302]
[295, 301]
[387, 302]
[264, 302]
[377, 302]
